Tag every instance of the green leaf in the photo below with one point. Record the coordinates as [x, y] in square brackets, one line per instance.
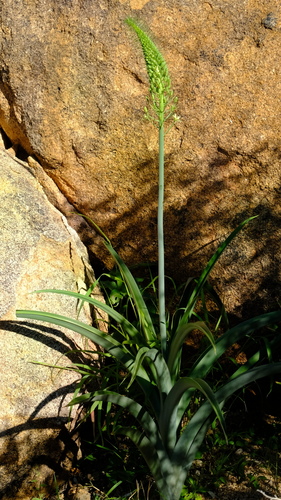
[208, 358]
[137, 410]
[126, 326]
[181, 334]
[112, 346]
[113, 488]
[194, 433]
[143, 313]
[202, 280]
[138, 362]
[150, 455]
[159, 373]
[161, 376]
[168, 420]
[206, 361]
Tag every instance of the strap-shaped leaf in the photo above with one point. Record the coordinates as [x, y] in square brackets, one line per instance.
[168, 420]
[143, 313]
[158, 372]
[119, 351]
[112, 313]
[144, 316]
[270, 347]
[143, 417]
[161, 376]
[169, 477]
[206, 361]
[153, 457]
[208, 358]
[194, 433]
[137, 364]
[204, 276]
[179, 338]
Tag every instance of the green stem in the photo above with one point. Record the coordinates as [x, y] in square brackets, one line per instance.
[161, 256]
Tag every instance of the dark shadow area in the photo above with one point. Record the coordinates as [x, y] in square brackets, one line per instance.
[52, 446]
[215, 204]
[34, 423]
[49, 336]
[232, 494]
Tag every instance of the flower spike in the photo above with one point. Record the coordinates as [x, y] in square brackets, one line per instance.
[162, 100]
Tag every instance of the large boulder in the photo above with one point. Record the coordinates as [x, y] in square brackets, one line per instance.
[72, 95]
[38, 250]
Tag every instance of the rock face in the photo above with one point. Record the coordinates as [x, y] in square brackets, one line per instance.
[38, 250]
[72, 95]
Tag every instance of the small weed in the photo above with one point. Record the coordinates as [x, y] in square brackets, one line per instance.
[42, 486]
[38, 485]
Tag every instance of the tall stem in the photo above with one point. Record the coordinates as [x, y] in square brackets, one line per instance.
[161, 255]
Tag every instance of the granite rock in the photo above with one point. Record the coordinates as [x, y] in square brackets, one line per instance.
[38, 250]
[73, 88]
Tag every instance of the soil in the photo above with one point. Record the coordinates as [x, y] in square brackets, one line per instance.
[260, 476]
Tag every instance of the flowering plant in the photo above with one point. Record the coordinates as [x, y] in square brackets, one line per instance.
[151, 352]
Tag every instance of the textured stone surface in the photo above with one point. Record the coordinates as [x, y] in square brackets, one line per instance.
[38, 250]
[72, 93]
